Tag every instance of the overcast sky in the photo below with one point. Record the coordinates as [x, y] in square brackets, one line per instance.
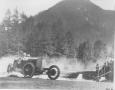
[32, 7]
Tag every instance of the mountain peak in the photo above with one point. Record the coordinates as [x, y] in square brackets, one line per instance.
[77, 0]
[82, 17]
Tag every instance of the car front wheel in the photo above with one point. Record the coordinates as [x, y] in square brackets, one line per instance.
[53, 72]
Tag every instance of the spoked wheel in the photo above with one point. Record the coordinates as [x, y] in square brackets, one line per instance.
[10, 68]
[28, 70]
[53, 72]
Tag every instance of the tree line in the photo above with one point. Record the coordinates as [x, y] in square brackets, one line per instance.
[19, 33]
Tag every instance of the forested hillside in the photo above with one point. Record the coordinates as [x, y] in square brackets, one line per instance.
[72, 28]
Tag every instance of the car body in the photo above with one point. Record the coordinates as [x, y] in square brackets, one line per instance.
[30, 66]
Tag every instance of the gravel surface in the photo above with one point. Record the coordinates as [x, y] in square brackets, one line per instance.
[37, 83]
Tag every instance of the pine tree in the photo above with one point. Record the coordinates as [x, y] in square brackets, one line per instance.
[100, 50]
[111, 54]
[37, 42]
[69, 45]
[5, 30]
[88, 51]
[84, 52]
[12, 32]
[57, 38]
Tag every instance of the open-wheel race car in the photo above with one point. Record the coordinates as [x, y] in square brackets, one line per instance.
[31, 66]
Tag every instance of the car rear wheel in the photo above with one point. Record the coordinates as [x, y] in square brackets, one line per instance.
[28, 70]
[53, 72]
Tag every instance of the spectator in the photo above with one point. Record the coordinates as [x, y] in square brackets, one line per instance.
[97, 72]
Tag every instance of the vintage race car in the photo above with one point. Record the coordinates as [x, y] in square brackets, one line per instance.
[30, 66]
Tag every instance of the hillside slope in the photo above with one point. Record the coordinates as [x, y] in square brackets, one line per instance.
[83, 18]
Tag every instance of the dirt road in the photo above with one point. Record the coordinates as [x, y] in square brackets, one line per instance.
[37, 83]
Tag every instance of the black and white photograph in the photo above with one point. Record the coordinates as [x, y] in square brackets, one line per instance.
[57, 44]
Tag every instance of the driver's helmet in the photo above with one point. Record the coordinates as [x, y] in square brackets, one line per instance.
[24, 54]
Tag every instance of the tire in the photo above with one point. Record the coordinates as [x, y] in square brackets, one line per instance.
[52, 73]
[28, 70]
[9, 68]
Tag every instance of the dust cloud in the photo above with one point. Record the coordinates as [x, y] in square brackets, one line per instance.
[4, 62]
[65, 64]
[69, 64]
